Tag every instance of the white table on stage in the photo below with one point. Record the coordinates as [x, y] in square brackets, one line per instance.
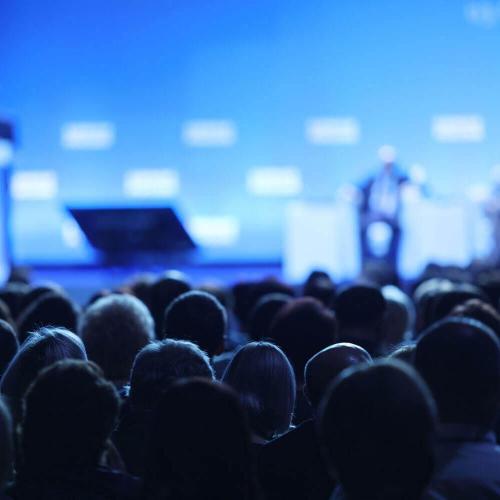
[325, 235]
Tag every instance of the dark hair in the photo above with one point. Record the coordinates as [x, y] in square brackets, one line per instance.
[49, 309]
[39, 350]
[262, 315]
[404, 352]
[163, 292]
[70, 413]
[198, 317]
[158, 364]
[6, 445]
[5, 313]
[13, 295]
[8, 345]
[459, 359]
[320, 286]
[377, 423]
[114, 329]
[302, 328]
[327, 364]
[480, 311]
[263, 378]
[199, 447]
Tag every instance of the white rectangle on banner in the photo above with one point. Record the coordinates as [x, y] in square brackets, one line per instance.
[88, 135]
[151, 183]
[274, 181]
[34, 185]
[209, 133]
[214, 231]
[458, 128]
[333, 130]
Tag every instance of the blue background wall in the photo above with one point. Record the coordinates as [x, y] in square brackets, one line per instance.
[268, 66]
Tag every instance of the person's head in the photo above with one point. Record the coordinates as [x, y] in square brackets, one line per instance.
[360, 309]
[263, 378]
[198, 317]
[8, 345]
[262, 315]
[114, 329]
[326, 365]
[41, 349]
[399, 317]
[377, 424]
[163, 292]
[6, 445]
[200, 445]
[5, 313]
[70, 412]
[459, 359]
[49, 309]
[404, 352]
[13, 295]
[387, 155]
[320, 286]
[480, 311]
[159, 364]
[302, 328]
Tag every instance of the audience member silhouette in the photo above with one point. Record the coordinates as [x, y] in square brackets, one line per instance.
[200, 445]
[114, 329]
[263, 378]
[6, 448]
[377, 424]
[291, 467]
[360, 310]
[320, 286]
[198, 317]
[302, 328]
[163, 292]
[9, 345]
[48, 309]
[459, 359]
[480, 311]
[262, 315]
[70, 413]
[155, 368]
[5, 313]
[39, 350]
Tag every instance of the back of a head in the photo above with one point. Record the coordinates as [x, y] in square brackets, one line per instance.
[302, 328]
[69, 415]
[377, 424]
[327, 364]
[8, 345]
[262, 315]
[459, 359]
[163, 292]
[263, 378]
[49, 309]
[5, 314]
[13, 295]
[200, 445]
[159, 364]
[198, 317]
[320, 286]
[445, 301]
[40, 350]
[480, 311]
[360, 309]
[114, 329]
[6, 445]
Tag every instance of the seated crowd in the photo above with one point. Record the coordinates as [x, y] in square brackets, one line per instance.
[263, 391]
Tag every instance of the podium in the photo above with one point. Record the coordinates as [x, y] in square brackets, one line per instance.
[129, 235]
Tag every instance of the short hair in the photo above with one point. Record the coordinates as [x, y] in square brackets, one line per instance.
[320, 286]
[263, 378]
[70, 413]
[198, 317]
[114, 329]
[262, 315]
[199, 444]
[377, 424]
[399, 317]
[459, 358]
[326, 365]
[302, 328]
[49, 309]
[6, 445]
[163, 292]
[360, 305]
[41, 349]
[480, 311]
[8, 345]
[158, 364]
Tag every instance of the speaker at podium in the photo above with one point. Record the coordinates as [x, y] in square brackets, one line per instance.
[130, 235]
